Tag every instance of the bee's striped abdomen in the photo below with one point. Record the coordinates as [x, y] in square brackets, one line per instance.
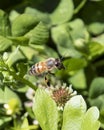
[38, 68]
[32, 70]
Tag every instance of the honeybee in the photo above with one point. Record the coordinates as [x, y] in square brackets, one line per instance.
[44, 67]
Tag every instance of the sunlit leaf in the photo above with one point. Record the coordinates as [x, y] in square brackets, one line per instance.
[90, 120]
[45, 110]
[13, 14]
[25, 124]
[73, 113]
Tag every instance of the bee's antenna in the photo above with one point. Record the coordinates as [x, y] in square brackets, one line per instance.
[65, 56]
[62, 58]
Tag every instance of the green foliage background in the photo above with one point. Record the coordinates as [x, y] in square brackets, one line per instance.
[34, 30]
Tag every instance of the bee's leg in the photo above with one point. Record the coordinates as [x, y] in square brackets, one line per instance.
[47, 81]
[51, 73]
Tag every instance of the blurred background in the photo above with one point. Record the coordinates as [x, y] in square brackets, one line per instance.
[34, 30]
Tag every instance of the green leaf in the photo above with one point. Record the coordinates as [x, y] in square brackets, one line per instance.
[60, 36]
[97, 87]
[3, 66]
[39, 35]
[96, 28]
[23, 24]
[45, 110]
[28, 51]
[79, 35]
[5, 29]
[102, 116]
[75, 64]
[63, 12]
[15, 56]
[95, 50]
[22, 69]
[1, 80]
[44, 17]
[73, 113]
[13, 14]
[4, 120]
[99, 39]
[25, 124]
[68, 52]
[70, 36]
[78, 30]
[90, 121]
[51, 52]
[63, 40]
[98, 101]
[23, 41]
[79, 80]
[7, 94]
[94, 21]
[1, 96]
[4, 43]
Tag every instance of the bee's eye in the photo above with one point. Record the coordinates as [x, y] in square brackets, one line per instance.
[59, 64]
[56, 64]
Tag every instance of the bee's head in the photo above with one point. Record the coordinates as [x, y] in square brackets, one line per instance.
[59, 64]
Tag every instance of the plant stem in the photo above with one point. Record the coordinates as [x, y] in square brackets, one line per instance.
[79, 7]
[23, 80]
